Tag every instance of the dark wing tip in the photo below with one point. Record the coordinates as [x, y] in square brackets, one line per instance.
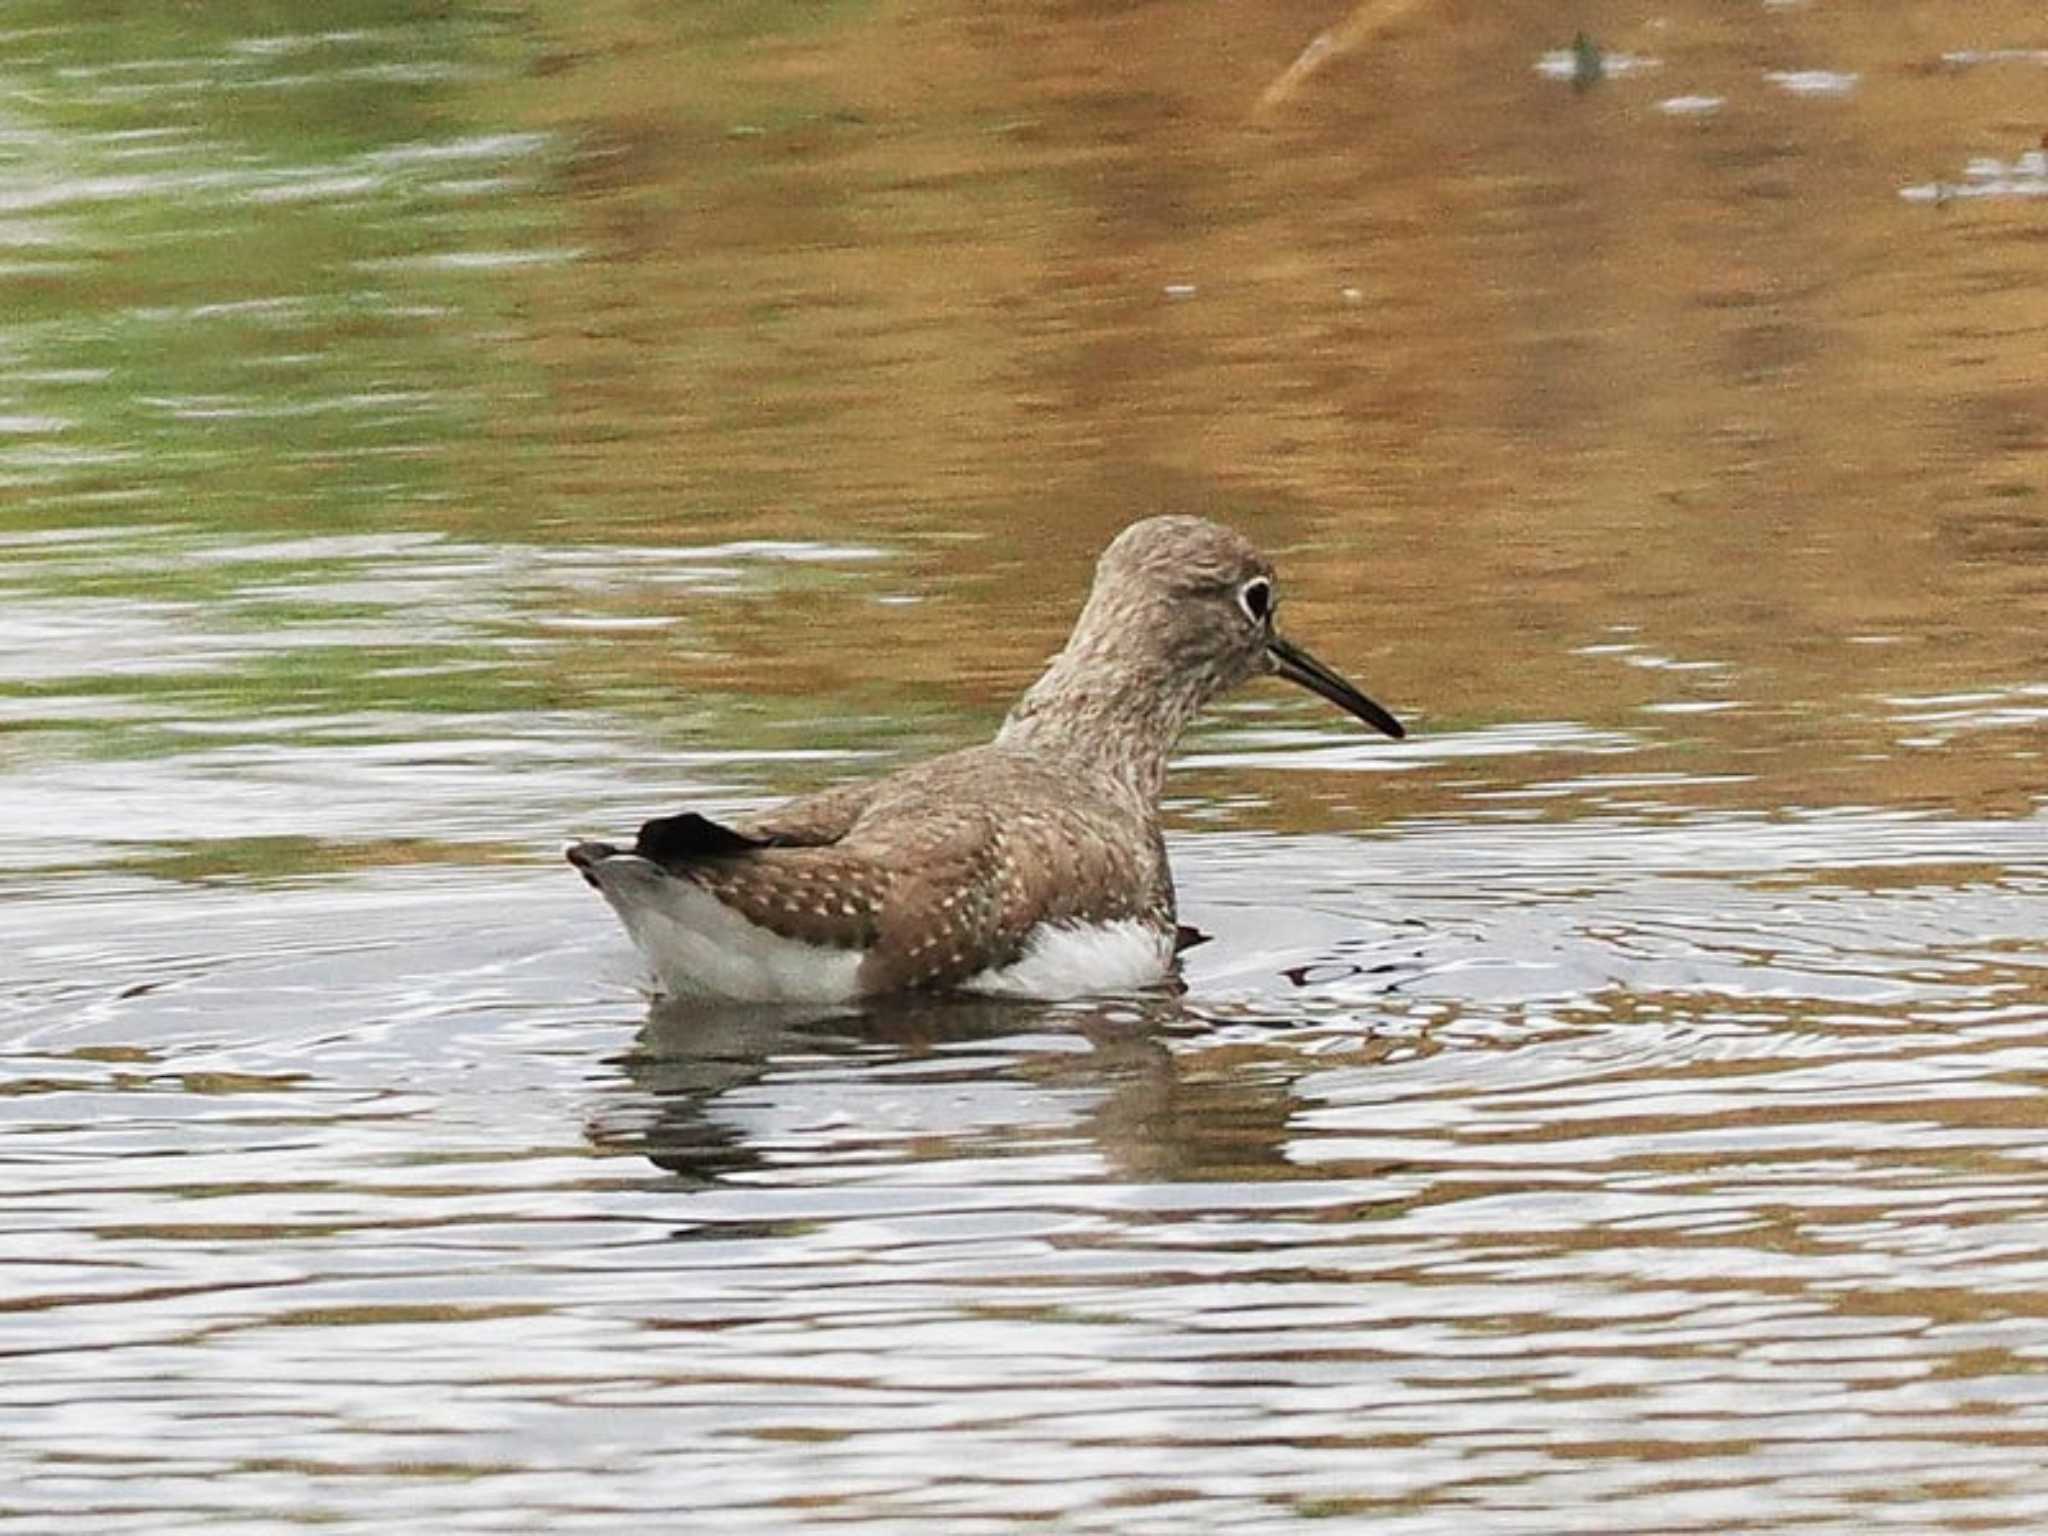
[686, 837]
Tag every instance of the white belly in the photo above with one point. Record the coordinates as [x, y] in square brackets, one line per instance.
[1062, 962]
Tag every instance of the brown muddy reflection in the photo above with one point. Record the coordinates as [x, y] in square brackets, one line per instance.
[1692, 1257]
[1512, 372]
[1155, 1113]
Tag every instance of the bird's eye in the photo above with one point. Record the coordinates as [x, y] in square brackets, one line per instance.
[1255, 597]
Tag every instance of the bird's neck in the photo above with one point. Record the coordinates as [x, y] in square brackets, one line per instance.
[1105, 714]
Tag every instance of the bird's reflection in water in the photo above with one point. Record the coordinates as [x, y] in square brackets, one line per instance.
[711, 1092]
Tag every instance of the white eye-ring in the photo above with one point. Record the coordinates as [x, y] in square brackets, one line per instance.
[1255, 597]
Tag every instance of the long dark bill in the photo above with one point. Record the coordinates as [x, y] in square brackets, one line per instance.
[1297, 666]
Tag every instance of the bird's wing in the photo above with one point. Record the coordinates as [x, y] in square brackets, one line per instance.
[811, 821]
[934, 887]
[947, 912]
[821, 896]
[924, 903]
[680, 842]
[973, 886]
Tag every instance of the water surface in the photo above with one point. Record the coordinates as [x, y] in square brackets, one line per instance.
[425, 438]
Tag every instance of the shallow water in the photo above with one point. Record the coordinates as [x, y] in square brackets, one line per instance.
[1619, 1107]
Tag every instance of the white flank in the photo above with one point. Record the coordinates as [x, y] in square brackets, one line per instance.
[699, 947]
[1062, 962]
